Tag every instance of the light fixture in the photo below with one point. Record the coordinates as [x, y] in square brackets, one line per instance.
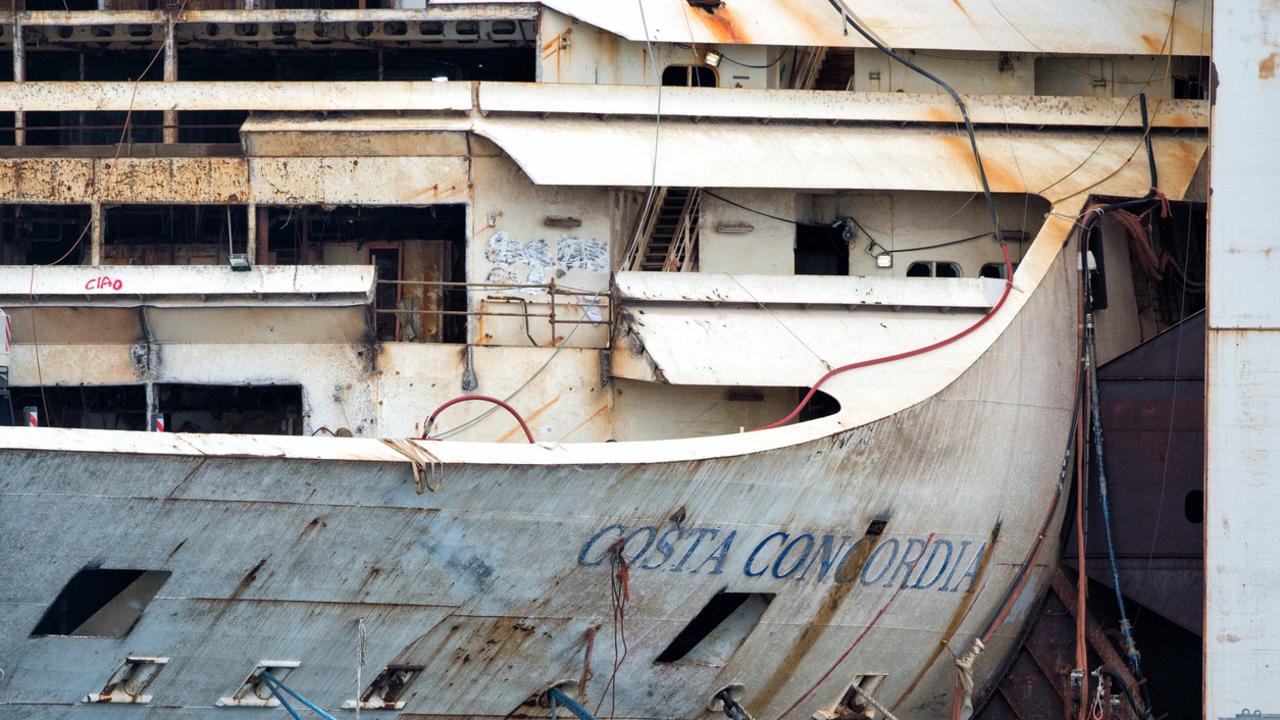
[712, 59]
[884, 260]
[239, 262]
[735, 228]
[440, 78]
[561, 221]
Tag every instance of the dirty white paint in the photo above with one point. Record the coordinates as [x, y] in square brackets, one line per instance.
[1242, 382]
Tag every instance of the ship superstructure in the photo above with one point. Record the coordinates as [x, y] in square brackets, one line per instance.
[650, 228]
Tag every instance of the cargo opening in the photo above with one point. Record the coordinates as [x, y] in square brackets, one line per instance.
[417, 253]
[821, 250]
[104, 407]
[173, 234]
[44, 234]
[246, 409]
[98, 602]
[719, 628]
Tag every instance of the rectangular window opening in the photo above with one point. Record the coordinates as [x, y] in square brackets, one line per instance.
[100, 602]
[419, 254]
[44, 234]
[173, 234]
[821, 250]
[248, 409]
[716, 632]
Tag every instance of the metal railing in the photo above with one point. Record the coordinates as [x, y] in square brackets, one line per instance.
[553, 310]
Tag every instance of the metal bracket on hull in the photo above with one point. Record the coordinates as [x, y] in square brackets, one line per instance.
[129, 680]
[253, 692]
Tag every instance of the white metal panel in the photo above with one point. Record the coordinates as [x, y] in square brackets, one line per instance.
[1133, 27]
[749, 103]
[594, 152]
[1242, 443]
[807, 290]
[129, 285]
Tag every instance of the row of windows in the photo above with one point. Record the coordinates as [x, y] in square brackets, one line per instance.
[938, 268]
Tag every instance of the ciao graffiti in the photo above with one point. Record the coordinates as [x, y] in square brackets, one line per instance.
[103, 283]
[913, 563]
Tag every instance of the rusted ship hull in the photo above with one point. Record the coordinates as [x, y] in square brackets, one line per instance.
[879, 550]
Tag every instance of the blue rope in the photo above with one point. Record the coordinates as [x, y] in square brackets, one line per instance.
[557, 696]
[275, 684]
[283, 702]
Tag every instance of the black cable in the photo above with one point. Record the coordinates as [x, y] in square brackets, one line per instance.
[964, 110]
[1141, 712]
[935, 246]
[797, 223]
[777, 60]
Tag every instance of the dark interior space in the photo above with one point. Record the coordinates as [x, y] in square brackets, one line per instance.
[211, 126]
[409, 246]
[44, 234]
[252, 409]
[97, 602]
[106, 407]
[820, 406]
[821, 250]
[689, 76]
[718, 611]
[173, 234]
[386, 63]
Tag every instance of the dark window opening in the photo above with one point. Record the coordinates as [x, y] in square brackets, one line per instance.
[713, 635]
[931, 268]
[211, 127]
[173, 234]
[820, 406]
[101, 603]
[821, 250]
[510, 64]
[417, 251]
[44, 234]
[59, 5]
[105, 407]
[689, 76]
[249, 409]
[994, 270]
[1193, 507]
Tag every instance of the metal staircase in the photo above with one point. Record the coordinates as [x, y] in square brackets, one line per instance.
[824, 69]
[669, 232]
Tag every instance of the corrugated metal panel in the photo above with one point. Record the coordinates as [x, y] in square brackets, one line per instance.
[1135, 27]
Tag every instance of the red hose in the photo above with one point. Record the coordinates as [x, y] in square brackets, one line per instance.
[1008, 286]
[426, 428]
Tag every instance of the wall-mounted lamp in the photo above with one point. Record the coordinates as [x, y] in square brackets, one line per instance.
[561, 221]
[239, 262]
[735, 228]
[712, 59]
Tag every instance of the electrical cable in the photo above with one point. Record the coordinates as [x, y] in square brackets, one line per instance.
[1004, 295]
[431, 419]
[1141, 712]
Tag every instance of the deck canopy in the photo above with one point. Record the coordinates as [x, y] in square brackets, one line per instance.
[1137, 27]
[72, 305]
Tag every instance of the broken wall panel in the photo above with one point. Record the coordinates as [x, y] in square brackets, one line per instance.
[372, 181]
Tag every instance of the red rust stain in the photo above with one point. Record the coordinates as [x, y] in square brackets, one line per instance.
[1267, 67]
[937, 114]
[721, 25]
[1154, 44]
[528, 418]
[999, 177]
[582, 424]
[960, 7]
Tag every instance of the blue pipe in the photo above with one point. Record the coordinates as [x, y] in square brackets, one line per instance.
[559, 698]
[273, 683]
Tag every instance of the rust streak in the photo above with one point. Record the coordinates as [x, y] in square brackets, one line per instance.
[721, 25]
[582, 424]
[851, 568]
[1267, 67]
[527, 418]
